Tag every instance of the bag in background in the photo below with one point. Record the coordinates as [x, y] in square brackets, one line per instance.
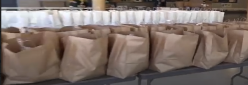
[212, 49]
[172, 49]
[129, 54]
[238, 46]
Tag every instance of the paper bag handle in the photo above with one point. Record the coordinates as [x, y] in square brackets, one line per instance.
[92, 31]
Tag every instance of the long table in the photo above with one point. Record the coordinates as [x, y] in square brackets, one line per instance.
[105, 80]
[148, 76]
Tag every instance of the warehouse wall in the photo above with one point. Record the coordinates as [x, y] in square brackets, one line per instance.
[240, 4]
[32, 3]
[35, 3]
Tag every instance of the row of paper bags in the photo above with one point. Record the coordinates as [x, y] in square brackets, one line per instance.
[85, 52]
[55, 18]
[73, 54]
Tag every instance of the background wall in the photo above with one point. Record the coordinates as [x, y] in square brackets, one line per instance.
[32, 3]
[9, 3]
[35, 3]
[240, 4]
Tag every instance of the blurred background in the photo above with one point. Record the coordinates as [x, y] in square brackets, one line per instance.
[234, 9]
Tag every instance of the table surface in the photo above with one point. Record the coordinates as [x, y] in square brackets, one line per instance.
[149, 74]
[97, 81]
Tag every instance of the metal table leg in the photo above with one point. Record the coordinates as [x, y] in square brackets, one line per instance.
[139, 81]
[238, 75]
[147, 82]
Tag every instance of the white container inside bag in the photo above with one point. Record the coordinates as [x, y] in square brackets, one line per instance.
[57, 19]
[163, 16]
[199, 17]
[172, 17]
[77, 18]
[206, 16]
[97, 17]
[12, 18]
[213, 16]
[131, 17]
[115, 17]
[187, 17]
[16, 19]
[88, 17]
[66, 17]
[221, 16]
[180, 16]
[106, 18]
[147, 17]
[24, 15]
[156, 17]
[41, 19]
[193, 18]
[123, 17]
[4, 19]
[139, 17]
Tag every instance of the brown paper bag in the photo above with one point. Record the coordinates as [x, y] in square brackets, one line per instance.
[63, 29]
[212, 49]
[10, 33]
[135, 28]
[243, 25]
[218, 25]
[144, 30]
[117, 29]
[188, 27]
[37, 30]
[46, 29]
[209, 27]
[154, 29]
[33, 60]
[72, 31]
[85, 57]
[232, 26]
[197, 28]
[238, 46]
[6, 34]
[11, 30]
[104, 30]
[163, 27]
[129, 54]
[157, 28]
[173, 49]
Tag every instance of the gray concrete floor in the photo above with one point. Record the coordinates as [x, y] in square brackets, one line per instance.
[221, 77]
